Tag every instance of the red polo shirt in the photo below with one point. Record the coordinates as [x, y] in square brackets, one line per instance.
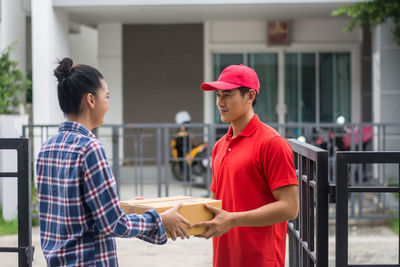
[246, 169]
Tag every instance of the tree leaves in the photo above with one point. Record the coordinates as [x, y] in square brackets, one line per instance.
[372, 13]
[12, 82]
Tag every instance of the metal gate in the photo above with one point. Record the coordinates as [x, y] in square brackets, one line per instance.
[23, 175]
[308, 234]
[343, 162]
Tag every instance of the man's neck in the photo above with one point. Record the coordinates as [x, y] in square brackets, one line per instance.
[239, 124]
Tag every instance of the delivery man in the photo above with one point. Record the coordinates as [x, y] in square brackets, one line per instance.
[253, 175]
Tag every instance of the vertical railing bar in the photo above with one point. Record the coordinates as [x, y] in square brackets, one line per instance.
[24, 204]
[360, 173]
[141, 138]
[185, 171]
[341, 217]
[384, 171]
[135, 162]
[398, 211]
[115, 158]
[190, 170]
[166, 160]
[322, 246]
[159, 147]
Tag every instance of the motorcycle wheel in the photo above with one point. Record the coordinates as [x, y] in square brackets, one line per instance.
[177, 171]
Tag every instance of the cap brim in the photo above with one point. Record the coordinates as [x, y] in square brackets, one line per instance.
[210, 86]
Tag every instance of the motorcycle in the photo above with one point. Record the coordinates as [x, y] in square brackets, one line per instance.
[189, 159]
[340, 139]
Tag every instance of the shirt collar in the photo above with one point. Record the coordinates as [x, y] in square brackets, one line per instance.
[249, 129]
[71, 126]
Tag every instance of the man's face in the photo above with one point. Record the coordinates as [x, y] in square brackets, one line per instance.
[232, 105]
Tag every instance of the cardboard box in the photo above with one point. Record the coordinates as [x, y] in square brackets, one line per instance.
[193, 208]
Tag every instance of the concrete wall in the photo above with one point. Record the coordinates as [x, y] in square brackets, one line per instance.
[162, 70]
[83, 45]
[109, 38]
[163, 67]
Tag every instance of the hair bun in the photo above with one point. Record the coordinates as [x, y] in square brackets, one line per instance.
[64, 69]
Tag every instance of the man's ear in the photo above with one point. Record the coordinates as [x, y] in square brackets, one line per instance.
[90, 100]
[252, 95]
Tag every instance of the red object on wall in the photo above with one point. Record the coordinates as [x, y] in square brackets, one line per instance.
[278, 33]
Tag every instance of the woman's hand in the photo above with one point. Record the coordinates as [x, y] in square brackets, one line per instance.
[174, 223]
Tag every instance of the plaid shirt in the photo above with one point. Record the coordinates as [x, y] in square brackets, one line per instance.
[78, 204]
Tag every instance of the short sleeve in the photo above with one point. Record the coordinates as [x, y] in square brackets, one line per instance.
[278, 166]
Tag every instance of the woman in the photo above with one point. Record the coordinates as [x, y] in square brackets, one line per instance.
[78, 205]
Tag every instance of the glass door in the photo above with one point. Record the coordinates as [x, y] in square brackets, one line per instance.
[300, 87]
[335, 91]
[266, 67]
[308, 100]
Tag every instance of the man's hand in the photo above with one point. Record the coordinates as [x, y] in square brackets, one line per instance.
[174, 223]
[222, 223]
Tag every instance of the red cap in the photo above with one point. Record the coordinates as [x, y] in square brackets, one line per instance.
[232, 77]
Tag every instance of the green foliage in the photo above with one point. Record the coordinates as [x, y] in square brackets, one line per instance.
[35, 206]
[8, 227]
[372, 13]
[12, 82]
[11, 227]
[395, 225]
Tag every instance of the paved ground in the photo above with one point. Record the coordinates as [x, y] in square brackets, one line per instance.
[132, 252]
[367, 244]
[370, 245]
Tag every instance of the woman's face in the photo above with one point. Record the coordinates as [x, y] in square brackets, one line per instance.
[101, 104]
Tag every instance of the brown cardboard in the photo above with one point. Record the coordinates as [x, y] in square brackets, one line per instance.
[193, 208]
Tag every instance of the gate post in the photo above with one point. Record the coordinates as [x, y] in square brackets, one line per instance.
[23, 174]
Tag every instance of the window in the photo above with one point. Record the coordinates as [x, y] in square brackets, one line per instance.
[266, 66]
[316, 86]
[301, 89]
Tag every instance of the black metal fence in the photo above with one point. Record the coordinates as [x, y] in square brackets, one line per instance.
[25, 249]
[343, 189]
[308, 233]
[141, 155]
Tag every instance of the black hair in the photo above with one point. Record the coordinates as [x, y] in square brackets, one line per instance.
[243, 90]
[74, 82]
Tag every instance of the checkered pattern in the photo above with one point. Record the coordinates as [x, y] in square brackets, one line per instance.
[78, 204]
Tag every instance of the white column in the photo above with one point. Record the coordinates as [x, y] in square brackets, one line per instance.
[110, 65]
[386, 91]
[376, 76]
[208, 99]
[49, 44]
[13, 28]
